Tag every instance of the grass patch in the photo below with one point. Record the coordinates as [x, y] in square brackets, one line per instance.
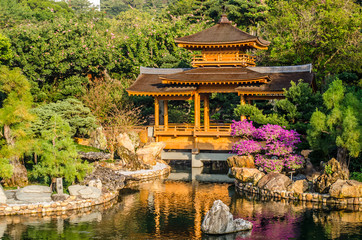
[82, 148]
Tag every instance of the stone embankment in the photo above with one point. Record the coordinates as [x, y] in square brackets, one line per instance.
[81, 196]
[330, 187]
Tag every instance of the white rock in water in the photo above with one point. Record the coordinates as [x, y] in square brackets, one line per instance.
[219, 220]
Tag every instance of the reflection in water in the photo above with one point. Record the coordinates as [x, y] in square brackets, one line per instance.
[166, 209]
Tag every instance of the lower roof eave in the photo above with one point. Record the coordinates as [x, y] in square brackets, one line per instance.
[153, 94]
[261, 93]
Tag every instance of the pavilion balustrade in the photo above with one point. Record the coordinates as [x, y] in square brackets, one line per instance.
[191, 129]
[223, 58]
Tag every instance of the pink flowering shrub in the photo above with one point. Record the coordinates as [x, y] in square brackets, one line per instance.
[246, 147]
[269, 164]
[242, 128]
[277, 151]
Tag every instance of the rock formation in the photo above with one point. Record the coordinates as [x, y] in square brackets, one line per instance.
[299, 186]
[274, 181]
[98, 139]
[346, 189]
[110, 179]
[219, 220]
[150, 153]
[241, 161]
[331, 173]
[245, 174]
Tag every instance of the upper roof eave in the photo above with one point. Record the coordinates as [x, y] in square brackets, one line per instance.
[256, 40]
[221, 33]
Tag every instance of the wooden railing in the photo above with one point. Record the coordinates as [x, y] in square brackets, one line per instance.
[190, 129]
[220, 59]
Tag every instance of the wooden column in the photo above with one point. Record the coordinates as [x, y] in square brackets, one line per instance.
[157, 112]
[165, 112]
[206, 112]
[242, 102]
[197, 109]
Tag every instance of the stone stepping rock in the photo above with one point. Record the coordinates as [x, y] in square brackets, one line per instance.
[84, 191]
[34, 193]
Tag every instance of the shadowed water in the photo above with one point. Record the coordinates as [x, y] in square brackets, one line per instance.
[168, 209]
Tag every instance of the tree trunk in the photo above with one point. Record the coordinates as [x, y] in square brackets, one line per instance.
[342, 157]
[20, 175]
[7, 135]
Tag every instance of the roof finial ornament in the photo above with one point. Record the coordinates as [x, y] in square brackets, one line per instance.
[224, 18]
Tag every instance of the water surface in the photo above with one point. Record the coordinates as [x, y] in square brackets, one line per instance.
[174, 209]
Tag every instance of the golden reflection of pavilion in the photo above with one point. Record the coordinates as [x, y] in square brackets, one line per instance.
[175, 196]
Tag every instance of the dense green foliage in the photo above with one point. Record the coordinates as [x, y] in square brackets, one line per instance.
[72, 111]
[324, 33]
[15, 119]
[340, 124]
[293, 112]
[77, 58]
[57, 153]
[14, 12]
[5, 50]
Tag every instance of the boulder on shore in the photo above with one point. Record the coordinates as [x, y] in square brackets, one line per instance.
[274, 182]
[241, 161]
[245, 174]
[84, 192]
[332, 172]
[219, 220]
[346, 189]
[105, 178]
[299, 186]
[34, 193]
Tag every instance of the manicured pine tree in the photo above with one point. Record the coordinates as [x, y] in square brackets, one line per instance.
[58, 155]
[339, 126]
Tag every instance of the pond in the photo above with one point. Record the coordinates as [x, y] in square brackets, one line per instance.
[174, 208]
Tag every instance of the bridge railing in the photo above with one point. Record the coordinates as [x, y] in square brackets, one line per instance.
[190, 129]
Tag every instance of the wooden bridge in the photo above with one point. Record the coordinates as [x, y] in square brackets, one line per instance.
[188, 137]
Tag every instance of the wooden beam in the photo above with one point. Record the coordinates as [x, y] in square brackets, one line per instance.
[230, 88]
[264, 97]
[206, 112]
[197, 109]
[157, 112]
[183, 98]
[242, 102]
[165, 112]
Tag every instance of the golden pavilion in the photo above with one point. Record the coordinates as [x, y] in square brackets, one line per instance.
[223, 65]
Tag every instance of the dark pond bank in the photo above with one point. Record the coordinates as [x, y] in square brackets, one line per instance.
[174, 209]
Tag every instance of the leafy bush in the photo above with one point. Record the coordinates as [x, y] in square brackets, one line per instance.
[356, 176]
[277, 149]
[79, 117]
